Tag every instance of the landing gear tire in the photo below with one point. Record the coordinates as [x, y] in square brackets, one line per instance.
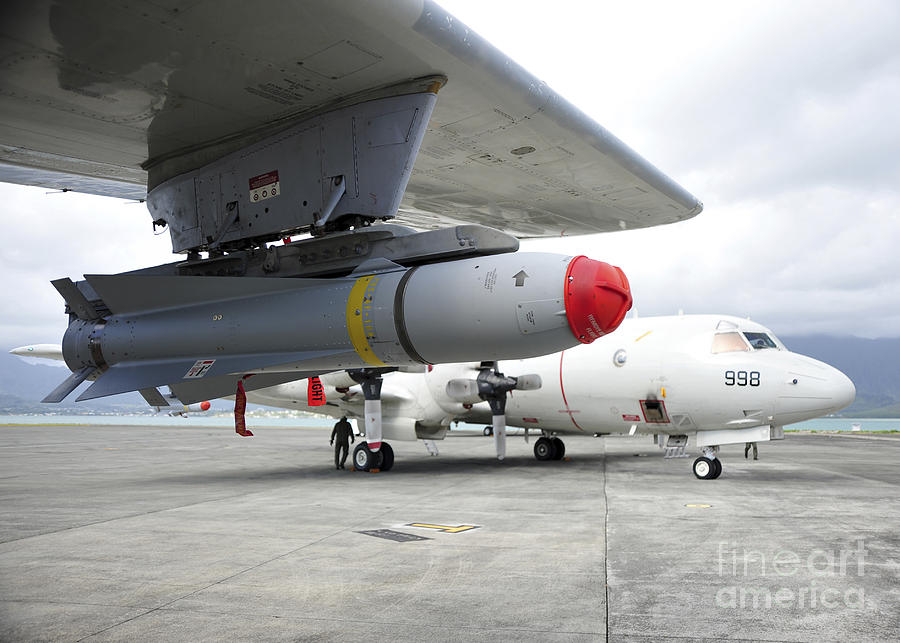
[366, 460]
[387, 456]
[718, 465]
[488, 430]
[705, 468]
[544, 449]
[559, 448]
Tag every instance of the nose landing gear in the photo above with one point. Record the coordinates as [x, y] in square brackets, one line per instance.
[708, 466]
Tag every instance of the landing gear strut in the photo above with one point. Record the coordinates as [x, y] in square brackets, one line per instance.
[373, 454]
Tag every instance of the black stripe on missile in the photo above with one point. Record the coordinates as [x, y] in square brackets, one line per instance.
[95, 345]
[400, 321]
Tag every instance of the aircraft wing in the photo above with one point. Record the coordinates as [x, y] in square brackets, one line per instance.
[101, 98]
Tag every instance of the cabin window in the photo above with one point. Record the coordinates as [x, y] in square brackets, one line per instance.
[760, 340]
[728, 343]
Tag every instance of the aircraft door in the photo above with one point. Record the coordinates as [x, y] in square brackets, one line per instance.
[654, 411]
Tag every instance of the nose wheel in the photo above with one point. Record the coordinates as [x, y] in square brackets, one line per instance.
[707, 468]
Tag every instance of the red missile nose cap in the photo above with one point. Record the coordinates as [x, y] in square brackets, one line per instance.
[204, 406]
[597, 296]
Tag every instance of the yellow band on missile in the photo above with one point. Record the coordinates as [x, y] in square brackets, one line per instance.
[360, 325]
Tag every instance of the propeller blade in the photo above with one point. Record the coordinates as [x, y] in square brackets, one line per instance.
[499, 423]
[530, 382]
[463, 390]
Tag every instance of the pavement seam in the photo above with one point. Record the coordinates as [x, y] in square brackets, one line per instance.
[221, 580]
[454, 627]
[605, 539]
[50, 601]
[136, 515]
[658, 637]
[274, 558]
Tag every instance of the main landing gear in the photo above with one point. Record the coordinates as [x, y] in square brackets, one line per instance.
[708, 466]
[366, 460]
[549, 448]
[373, 454]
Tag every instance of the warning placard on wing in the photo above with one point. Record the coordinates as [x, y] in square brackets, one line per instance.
[264, 186]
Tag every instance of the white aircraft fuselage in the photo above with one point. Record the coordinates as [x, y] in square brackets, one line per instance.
[725, 379]
[605, 387]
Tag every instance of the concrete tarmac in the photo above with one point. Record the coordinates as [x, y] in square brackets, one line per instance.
[195, 534]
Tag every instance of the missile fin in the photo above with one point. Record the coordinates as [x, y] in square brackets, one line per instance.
[225, 385]
[68, 385]
[78, 303]
[376, 264]
[127, 294]
[153, 397]
[134, 376]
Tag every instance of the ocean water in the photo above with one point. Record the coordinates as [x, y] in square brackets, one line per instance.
[822, 424]
[165, 420]
[845, 424]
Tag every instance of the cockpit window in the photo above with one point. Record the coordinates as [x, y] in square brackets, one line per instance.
[728, 343]
[760, 340]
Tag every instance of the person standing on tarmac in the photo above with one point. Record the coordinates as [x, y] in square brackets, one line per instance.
[342, 431]
[747, 450]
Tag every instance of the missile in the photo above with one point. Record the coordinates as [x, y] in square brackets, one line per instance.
[186, 409]
[41, 351]
[202, 335]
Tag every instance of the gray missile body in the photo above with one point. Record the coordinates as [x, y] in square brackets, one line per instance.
[202, 334]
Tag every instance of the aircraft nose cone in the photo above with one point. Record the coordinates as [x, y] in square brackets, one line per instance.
[843, 391]
[813, 389]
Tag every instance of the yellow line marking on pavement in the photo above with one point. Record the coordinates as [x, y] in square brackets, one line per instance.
[448, 529]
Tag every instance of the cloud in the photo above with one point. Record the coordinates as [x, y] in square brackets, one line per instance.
[801, 262]
[55, 235]
[781, 117]
[804, 94]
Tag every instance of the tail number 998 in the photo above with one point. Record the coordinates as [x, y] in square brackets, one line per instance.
[741, 378]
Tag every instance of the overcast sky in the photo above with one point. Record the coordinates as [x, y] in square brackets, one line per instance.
[782, 117]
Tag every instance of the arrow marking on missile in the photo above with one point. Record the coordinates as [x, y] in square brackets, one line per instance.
[447, 529]
[520, 278]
